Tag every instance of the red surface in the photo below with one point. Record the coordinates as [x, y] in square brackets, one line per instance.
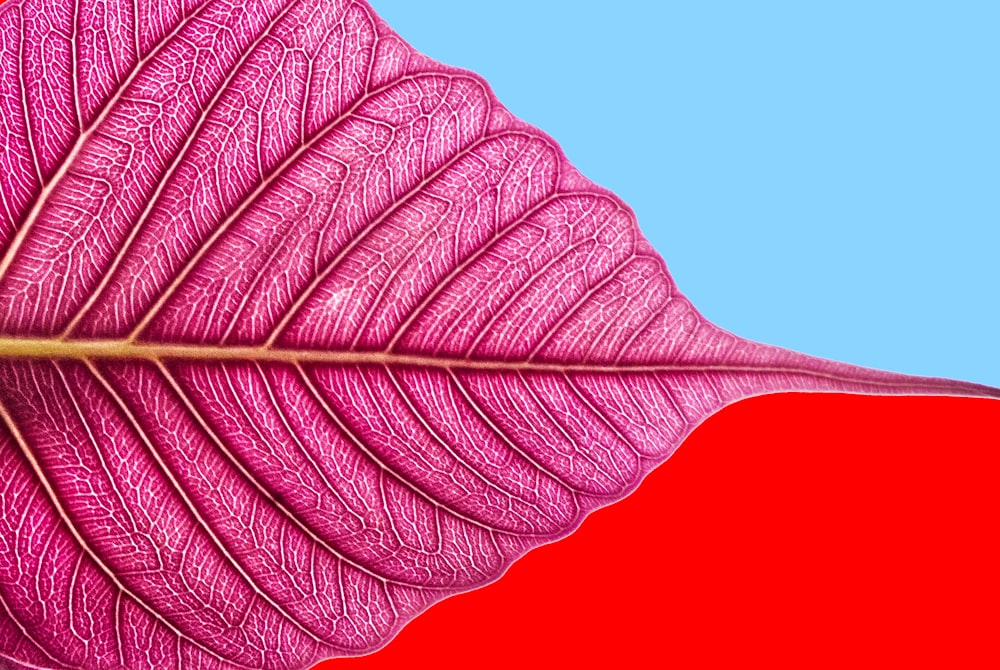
[788, 531]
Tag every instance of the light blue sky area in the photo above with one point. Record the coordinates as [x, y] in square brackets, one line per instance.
[824, 176]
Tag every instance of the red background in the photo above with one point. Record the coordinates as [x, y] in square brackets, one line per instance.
[787, 531]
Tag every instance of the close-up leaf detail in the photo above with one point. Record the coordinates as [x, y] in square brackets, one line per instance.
[302, 332]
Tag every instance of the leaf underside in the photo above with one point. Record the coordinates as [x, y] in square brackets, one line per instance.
[302, 332]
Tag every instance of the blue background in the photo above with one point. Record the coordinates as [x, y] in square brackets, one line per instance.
[822, 176]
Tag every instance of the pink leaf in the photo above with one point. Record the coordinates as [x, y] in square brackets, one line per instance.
[303, 332]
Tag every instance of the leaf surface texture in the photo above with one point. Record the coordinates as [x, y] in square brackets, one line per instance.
[302, 332]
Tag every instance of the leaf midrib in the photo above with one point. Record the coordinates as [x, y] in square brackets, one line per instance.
[41, 348]
[60, 349]
[89, 349]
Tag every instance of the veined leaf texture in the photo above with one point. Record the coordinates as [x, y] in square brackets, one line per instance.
[302, 332]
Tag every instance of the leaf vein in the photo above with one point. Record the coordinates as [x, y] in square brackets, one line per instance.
[220, 444]
[193, 510]
[451, 451]
[579, 304]
[178, 159]
[108, 572]
[502, 434]
[442, 286]
[47, 187]
[390, 472]
[248, 201]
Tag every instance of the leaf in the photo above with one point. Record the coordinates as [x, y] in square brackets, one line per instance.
[303, 332]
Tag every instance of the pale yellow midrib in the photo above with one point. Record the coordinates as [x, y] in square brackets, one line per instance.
[50, 348]
[90, 350]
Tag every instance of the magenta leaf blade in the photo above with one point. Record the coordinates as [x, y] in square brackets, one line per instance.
[303, 332]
